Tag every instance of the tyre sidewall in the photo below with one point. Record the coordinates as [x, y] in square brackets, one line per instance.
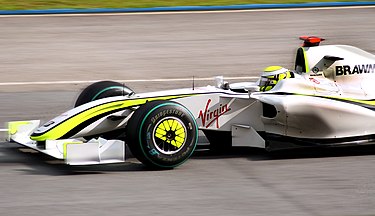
[148, 124]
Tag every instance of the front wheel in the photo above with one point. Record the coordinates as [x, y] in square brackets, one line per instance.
[162, 134]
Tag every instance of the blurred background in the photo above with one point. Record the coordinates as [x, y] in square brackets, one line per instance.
[46, 60]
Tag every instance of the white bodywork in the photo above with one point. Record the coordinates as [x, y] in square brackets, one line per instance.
[331, 102]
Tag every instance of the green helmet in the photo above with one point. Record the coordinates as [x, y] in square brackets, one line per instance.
[272, 75]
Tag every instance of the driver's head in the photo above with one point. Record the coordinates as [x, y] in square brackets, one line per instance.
[272, 75]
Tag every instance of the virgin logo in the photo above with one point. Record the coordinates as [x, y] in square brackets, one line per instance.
[210, 116]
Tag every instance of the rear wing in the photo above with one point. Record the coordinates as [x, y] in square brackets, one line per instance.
[340, 63]
[301, 63]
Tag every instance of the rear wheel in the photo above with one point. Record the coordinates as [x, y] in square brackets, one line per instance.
[162, 134]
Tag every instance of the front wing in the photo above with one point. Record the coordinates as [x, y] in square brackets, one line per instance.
[72, 151]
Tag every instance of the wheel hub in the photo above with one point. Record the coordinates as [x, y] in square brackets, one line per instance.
[171, 135]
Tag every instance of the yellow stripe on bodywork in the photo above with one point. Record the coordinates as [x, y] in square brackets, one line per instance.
[63, 128]
[367, 102]
[306, 62]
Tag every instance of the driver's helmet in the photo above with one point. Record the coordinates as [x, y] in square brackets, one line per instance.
[272, 75]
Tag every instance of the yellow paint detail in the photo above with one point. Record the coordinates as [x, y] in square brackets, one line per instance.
[265, 88]
[161, 131]
[174, 143]
[272, 68]
[306, 61]
[180, 133]
[65, 146]
[71, 123]
[13, 126]
[367, 102]
[161, 134]
[282, 76]
[166, 125]
[178, 125]
[162, 137]
[173, 125]
[161, 126]
[180, 140]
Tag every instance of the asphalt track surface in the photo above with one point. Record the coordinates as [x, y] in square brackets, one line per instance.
[244, 181]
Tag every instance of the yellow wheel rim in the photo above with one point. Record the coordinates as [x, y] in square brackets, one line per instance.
[169, 135]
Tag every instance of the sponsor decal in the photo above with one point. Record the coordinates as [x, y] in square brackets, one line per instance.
[314, 80]
[208, 117]
[357, 69]
[166, 112]
[153, 152]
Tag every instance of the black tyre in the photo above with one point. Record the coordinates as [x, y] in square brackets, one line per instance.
[162, 134]
[102, 89]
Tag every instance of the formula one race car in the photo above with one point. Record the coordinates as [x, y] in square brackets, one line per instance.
[329, 101]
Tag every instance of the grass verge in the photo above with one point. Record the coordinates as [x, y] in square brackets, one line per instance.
[82, 4]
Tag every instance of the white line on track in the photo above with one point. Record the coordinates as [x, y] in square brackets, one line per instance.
[125, 81]
[3, 130]
[190, 12]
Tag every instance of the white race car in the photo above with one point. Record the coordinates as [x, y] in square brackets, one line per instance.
[330, 101]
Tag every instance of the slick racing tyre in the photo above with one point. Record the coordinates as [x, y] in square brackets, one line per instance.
[162, 134]
[102, 89]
